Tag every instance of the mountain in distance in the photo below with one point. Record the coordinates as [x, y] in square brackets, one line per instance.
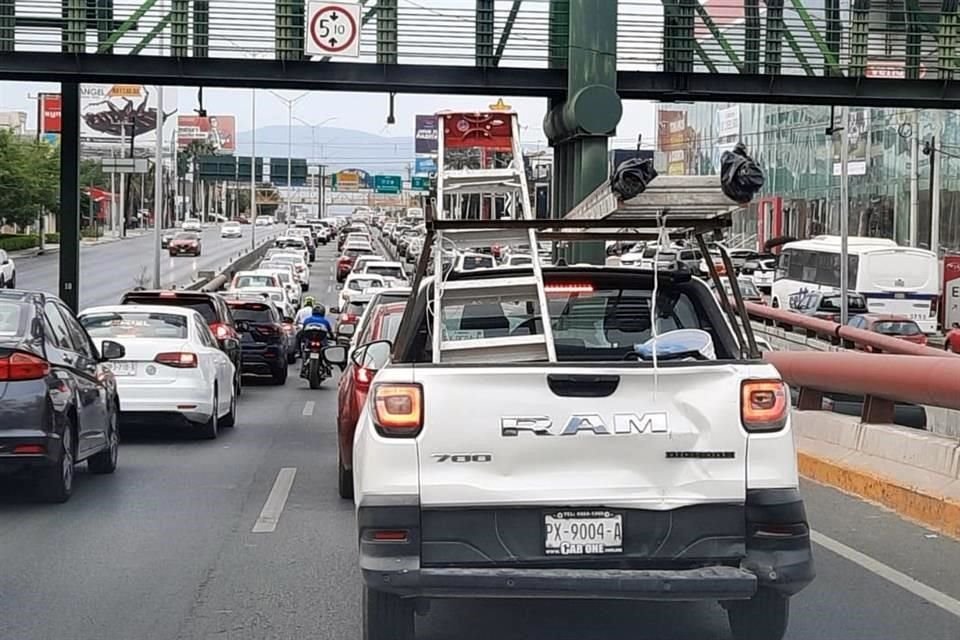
[334, 147]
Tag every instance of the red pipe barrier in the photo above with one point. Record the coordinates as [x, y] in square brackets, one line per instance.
[899, 378]
[833, 332]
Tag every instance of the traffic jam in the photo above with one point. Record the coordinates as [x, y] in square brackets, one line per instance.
[510, 423]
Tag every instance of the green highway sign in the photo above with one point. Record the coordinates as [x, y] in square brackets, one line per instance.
[387, 184]
[420, 183]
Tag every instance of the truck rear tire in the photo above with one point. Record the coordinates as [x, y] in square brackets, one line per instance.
[386, 616]
[763, 617]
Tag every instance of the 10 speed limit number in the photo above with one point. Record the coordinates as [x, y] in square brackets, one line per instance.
[333, 29]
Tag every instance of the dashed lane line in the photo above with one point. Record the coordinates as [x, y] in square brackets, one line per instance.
[276, 501]
[309, 407]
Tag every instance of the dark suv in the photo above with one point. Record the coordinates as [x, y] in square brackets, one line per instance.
[211, 306]
[262, 339]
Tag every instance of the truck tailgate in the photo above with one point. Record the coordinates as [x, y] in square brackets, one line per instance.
[579, 436]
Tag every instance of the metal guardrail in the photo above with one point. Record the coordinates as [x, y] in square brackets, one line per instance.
[242, 262]
[789, 37]
[838, 335]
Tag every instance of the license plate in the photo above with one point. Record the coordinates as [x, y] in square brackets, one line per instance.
[314, 356]
[123, 368]
[579, 533]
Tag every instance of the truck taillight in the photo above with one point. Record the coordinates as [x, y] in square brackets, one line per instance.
[763, 405]
[177, 360]
[23, 366]
[398, 409]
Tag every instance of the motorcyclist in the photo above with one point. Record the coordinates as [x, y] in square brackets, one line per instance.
[305, 311]
[318, 318]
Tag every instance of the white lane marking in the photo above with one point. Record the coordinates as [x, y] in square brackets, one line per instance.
[886, 572]
[308, 408]
[329, 288]
[270, 515]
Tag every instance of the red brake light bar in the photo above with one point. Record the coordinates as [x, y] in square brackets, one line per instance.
[569, 288]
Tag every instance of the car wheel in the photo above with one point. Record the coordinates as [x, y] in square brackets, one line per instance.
[3, 282]
[344, 481]
[56, 481]
[211, 428]
[763, 617]
[280, 376]
[292, 357]
[106, 461]
[230, 420]
[13, 281]
[386, 616]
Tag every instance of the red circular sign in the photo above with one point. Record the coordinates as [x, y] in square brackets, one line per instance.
[331, 42]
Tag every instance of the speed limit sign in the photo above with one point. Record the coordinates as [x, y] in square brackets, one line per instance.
[333, 29]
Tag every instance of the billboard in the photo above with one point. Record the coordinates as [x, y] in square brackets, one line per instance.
[424, 165]
[110, 113]
[221, 131]
[672, 140]
[426, 134]
[858, 141]
[50, 106]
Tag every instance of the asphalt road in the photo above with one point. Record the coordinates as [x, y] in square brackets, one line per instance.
[164, 550]
[109, 270]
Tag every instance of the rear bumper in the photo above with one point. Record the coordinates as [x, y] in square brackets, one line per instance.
[264, 361]
[10, 439]
[709, 583]
[188, 398]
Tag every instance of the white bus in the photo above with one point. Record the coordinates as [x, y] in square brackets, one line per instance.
[894, 280]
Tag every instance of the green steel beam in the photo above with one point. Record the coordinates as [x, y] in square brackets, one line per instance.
[8, 24]
[157, 30]
[947, 40]
[859, 37]
[679, 35]
[507, 30]
[751, 37]
[834, 34]
[74, 34]
[829, 57]
[367, 17]
[914, 44]
[705, 58]
[105, 25]
[773, 49]
[717, 35]
[127, 25]
[798, 53]
[387, 41]
[290, 30]
[201, 28]
[483, 24]
[180, 31]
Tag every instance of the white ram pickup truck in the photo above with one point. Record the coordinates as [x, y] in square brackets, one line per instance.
[599, 476]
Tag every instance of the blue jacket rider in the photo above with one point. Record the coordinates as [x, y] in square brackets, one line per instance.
[319, 316]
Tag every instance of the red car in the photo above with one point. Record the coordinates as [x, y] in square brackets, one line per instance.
[345, 262]
[354, 385]
[185, 243]
[900, 327]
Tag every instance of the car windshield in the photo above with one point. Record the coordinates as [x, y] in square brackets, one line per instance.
[390, 272]
[470, 263]
[356, 307]
[135, 324]
[202, 306]
[855, 303]
[353, 253]
[254, 280]
[252, 312]
[897, 328]
[185, 236]
[359, 284]
[13, 318]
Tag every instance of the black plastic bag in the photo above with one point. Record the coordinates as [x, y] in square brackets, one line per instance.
[631, 177]
[740, 177]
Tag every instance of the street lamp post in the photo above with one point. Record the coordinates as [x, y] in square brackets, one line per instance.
[290, 102]
[321, 209]
[253, 171]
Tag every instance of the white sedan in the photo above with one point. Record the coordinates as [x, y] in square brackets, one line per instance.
[192, 224]
[231, 230]
[173, 366]
[299, 264]
[359, 283]
[8, 271]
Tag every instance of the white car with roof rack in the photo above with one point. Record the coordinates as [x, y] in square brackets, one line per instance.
[392, 271]
[360, 284]
[295, 260]
[523, 440]
[173, 366]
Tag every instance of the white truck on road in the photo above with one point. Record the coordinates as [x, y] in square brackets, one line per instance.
[598, 476]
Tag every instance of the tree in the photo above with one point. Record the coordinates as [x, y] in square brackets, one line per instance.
[29, 179]
[187, 160]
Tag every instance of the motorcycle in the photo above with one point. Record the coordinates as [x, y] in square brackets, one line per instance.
[314, 369]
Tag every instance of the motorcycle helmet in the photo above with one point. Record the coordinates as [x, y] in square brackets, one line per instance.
[308, 301]
[319, 310]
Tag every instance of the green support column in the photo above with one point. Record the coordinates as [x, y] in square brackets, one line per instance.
[559, 43]
[180, 35]
[579, 128]
[201, 28]
[751, 45]
[8, 12]
[947, 39]
[74, 35]
[387, 32]
[104, 25]
[484, 33]
[70, 195]
[859, 37]
[773, 51]
[834, 35]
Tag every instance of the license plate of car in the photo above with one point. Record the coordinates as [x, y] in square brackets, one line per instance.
[123, 368]
[314, 356]
[579, 533]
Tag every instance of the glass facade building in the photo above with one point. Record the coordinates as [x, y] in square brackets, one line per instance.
[801, 163]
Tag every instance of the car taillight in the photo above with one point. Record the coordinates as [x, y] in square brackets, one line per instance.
[398, 409]
[23, 366]
[220, 330]
[349, 318]
[363, 376]
[177, 359]
[763, 405]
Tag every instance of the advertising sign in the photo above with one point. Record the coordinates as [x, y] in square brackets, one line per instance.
[50, 105]
[951, 290]
[426, 134]
[110, 113]
[672, 139]
[221, 131]
[424, 165]
[858, 141]
[727, 128]
[346, 180]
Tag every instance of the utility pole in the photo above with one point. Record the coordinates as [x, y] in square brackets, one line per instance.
[253, 170]
[158, 192]
[322, 203]
[844, 212]
[914, 178]
[935, 184]
[290, 102]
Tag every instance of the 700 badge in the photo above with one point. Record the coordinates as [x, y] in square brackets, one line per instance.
[334, 29]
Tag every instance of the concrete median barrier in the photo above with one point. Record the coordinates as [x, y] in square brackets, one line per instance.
[244, 260]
